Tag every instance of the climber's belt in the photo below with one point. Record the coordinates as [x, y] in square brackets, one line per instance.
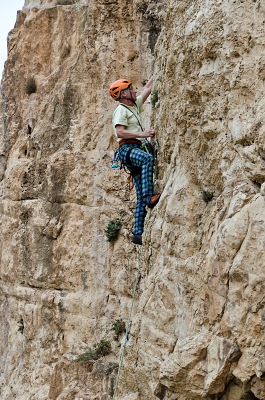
[129, 141]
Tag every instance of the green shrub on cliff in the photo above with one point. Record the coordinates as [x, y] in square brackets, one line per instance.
[100, 349]
[112, 230]
[119, 328]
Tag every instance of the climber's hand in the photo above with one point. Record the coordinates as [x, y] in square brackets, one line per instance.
[149, 132]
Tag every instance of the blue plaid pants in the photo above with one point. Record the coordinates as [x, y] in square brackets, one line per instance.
[143, 181]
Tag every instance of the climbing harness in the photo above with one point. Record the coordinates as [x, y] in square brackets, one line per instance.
[128, 167]
[129, 324]
[147, 147]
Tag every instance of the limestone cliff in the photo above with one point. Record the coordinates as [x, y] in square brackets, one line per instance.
[198, 317]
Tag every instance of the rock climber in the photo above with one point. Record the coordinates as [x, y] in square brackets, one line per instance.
[131, 136]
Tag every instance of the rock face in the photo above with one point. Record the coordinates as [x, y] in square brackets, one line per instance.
[198, 317]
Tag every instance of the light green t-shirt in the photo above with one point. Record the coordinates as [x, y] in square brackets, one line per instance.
[123, 116]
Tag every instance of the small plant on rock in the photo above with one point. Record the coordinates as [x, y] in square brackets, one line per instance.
[30, 86]
[112, 230]
[207, 196]
[21, 325]
[119, 328]
[100, 349]
[154, 98]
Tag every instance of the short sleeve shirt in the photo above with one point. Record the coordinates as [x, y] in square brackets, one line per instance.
[123, 116]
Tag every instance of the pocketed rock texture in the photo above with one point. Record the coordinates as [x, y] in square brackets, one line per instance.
[198, 317]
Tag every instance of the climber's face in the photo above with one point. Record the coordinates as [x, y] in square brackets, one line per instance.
[130, 93]
[133, 92]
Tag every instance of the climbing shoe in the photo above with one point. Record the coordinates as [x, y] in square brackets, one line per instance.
[137, 239]
[154, 199]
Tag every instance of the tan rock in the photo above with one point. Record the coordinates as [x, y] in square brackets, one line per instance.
[198, 309]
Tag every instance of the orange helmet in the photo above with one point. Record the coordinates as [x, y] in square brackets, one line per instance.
[117, 87]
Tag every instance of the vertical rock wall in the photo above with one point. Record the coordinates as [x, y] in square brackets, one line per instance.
[198, 326]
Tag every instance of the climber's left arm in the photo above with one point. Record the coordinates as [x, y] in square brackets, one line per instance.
[147, 89]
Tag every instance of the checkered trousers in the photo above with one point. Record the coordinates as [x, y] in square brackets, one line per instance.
[143, 181]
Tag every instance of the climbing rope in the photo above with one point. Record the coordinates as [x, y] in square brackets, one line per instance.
[156, 147]
[129, 324]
